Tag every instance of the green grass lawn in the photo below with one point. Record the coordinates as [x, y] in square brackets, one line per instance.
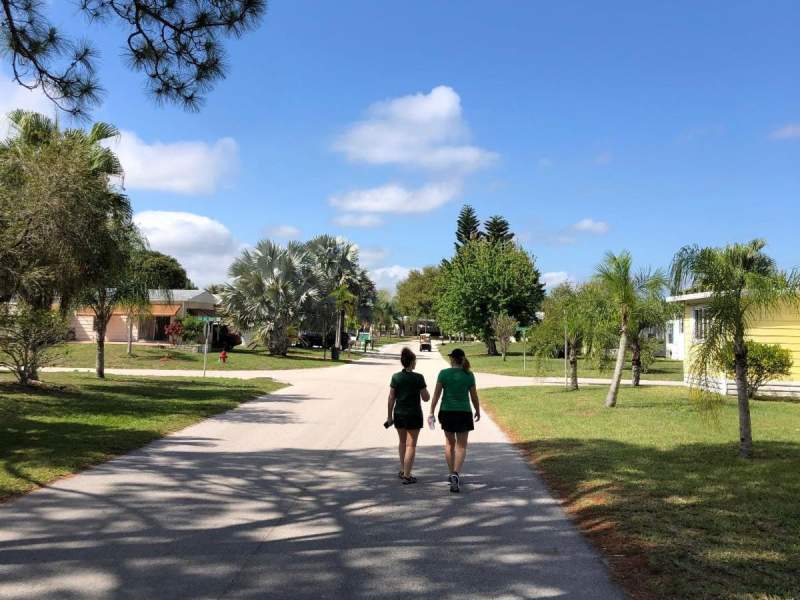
[660, 487]
[76, 420]
[165, 357]
[481, 362]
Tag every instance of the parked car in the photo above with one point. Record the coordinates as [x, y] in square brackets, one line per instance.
[425, 342]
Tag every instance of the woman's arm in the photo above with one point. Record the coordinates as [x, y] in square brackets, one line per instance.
[392, 397]
[424, 394]
[437, 393]
[473, 395]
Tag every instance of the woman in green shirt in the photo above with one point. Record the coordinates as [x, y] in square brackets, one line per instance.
[456, 387]
[405, 411]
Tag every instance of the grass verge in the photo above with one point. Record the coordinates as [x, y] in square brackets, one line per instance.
[165, 357]
[659, 487]
[75, 420]
[662, 369]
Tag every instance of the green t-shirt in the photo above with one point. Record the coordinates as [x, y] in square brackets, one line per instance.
[456, 383]
[407, 385]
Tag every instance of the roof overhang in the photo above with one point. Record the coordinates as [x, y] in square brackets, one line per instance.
[693, 297]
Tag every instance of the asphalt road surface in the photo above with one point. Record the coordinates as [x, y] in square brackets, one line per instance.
[296, 496]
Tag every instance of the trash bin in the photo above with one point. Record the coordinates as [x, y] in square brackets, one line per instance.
[334, 353]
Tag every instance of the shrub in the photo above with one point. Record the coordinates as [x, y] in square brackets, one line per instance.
[27, 337]
[193, 328]
[764, 363]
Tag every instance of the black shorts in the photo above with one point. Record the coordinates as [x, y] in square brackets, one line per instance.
[456, 421]
[408, 421]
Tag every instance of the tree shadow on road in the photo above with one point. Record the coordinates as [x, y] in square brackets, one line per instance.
[299, 523]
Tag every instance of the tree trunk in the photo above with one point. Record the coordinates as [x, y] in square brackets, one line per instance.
[745, 432]
[338, 338]
[130, 335]
[278, 344]
[613, 390]
[491, 346]
[636, 363]
[100, 364]
[573, 367]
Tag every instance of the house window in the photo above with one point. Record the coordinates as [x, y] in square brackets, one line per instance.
[680, 325]
[670, 333]
[701, 323]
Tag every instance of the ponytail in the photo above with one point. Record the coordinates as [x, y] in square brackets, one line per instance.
[465, 364]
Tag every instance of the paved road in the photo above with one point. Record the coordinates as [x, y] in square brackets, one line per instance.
[295, 496]
[485, 380]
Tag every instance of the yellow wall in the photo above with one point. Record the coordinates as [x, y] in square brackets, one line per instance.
[780, 327]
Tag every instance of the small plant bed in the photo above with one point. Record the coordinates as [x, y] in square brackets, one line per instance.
[659, 487]
[661, 369]
[74, 421]
[168, 357]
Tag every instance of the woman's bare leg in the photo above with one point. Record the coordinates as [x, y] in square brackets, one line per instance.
[449, 449]
[411, 451]
[460, 451]
[401, 448]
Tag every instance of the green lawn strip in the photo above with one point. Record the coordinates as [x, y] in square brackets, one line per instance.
[165, 357]
[657, 483]
[663, 369]
[75, 420]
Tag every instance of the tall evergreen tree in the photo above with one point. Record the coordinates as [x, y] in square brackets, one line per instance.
[468, 227]
[497, 229]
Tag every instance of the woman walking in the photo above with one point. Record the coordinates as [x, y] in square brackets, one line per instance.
[405, 410]
[456, 387]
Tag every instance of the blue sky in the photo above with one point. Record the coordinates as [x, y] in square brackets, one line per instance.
[591, 127]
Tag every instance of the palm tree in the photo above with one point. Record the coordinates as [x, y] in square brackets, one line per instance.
[744, 283]
[335, 264]
[34, 137]
[626, 291]
[649, 312]
[271, 290]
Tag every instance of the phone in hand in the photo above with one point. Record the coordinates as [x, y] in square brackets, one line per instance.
[388, 423]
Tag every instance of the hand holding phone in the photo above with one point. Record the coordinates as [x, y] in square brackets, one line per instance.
[388, 423]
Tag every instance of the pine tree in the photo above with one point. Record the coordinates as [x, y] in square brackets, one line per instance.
[468, 227]
[498, 229]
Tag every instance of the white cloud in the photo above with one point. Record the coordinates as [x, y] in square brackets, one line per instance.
[386, 278]
[544, 163]
[790, 131]
[181, 167]
[603, 158]
[204, 247]
[289, 232]
[394, 198]
[351, 220]
[591, 226]
[420, 130]
[553, 279]
[371, 256]
[14, 96]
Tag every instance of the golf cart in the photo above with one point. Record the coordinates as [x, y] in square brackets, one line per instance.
[425, 342]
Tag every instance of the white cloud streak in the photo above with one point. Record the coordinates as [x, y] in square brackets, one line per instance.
[386, 278]
[589, 225]
[424, 131]
[289, 232]
[204, 247]
[790, 131]
[395, 198]
[353, 220]
[553, 279]
[186, 167]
